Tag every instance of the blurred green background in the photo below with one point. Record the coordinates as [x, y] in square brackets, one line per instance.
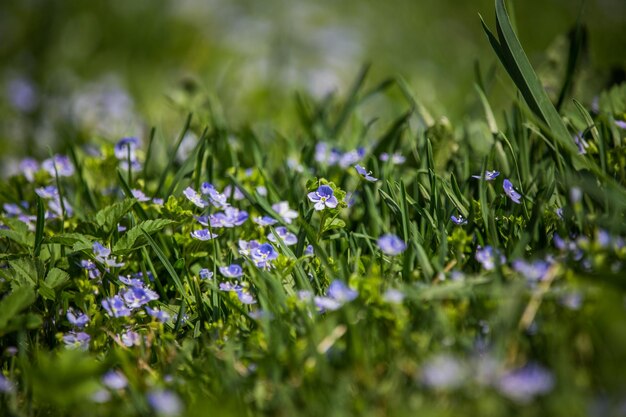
[115, 68]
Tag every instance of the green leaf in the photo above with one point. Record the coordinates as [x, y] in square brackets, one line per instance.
[56, 277]
[41, 222]
[168, 266]
[134, 237]
[109, 217]
[13, 303]
[26, 272]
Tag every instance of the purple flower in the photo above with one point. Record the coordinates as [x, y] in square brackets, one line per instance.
[246, 248]
[229, 286]
[323, 197]
[581, 143]
[533, 272]
[216, 198]
[79, 319]
[64, 167]
[396, 158]
[231, 271]
[140, 196]
[76, 340]
[391, 244]
[231, 217]
[233, 192]
[132, 282]
[136, 297]
[393, 296]
[114, 380]
[165, 403]
[308, 251]
[458, 220]
[194, 197]
[28, 167]
[286, 236]
[48, 192]
[123, 146]
[337, 295]
[523, 384]
[341, 292]
[6, 386]
[245, 297]
[160, 315]
[205, 273]
[621, 124]
[91, 267]
[283, 210]
[487, 257]
[351, 157]
[131, 338]
[101, 253]
[264, 255]
[365, 173]
[264, 221]
[443, 372]
[488, 176]
[203, 234]
[510, 191]
[22, 94]
[115, 306]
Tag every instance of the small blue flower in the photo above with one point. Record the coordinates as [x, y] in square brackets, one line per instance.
[581, 143]
[308, 251]
[283, 210]
[393, 296]
[391, 244]
[79, 319]
[341, 292]
[351, 157]
[621, 124]
[140, 196]
[203, 234]
[114, 380]
[125, 146]
[323, 197]
[487, 257]
[264, 255]
[6, 386]
[365, 173]
[216, 198]
[264, 221]
[165, 403]
[285, 235]
[28, 167]
[523, 384]
[338, 294]
[245, 297]
[533, 272]
[443, 372]
[76, 340]
[229, 286]
[205, 273]
[488, 176]
[160, 315]
[136, 297]
[510, 192]
[194, 197]
[458, 220]
[48, 192]
[131, 338]
[231, 271]
[115, 306]
[63, 165]
[396, 158]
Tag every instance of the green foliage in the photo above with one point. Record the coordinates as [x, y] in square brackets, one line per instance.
[225, 290]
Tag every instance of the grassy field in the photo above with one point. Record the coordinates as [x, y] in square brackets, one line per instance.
[354, 265]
